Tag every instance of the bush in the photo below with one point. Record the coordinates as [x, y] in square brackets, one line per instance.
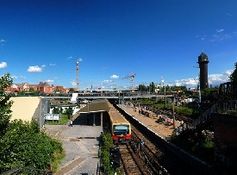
[106, 145]
[24, 147]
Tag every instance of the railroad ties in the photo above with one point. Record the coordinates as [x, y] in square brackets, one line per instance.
[131, 163]
[148, 153]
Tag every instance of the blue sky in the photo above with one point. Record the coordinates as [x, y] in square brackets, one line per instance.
[40, 40]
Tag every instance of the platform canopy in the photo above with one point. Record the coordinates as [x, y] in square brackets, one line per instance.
[95, 106]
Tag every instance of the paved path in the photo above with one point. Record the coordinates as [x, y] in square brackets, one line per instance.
[81, 146]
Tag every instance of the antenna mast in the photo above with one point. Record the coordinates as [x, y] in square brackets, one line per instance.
[77, 75]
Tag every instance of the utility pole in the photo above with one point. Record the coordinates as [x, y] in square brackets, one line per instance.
[199, 92]
[173, 113]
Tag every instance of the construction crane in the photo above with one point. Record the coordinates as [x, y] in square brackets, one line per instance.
[131, 77]
[77, 74]
[78, 60]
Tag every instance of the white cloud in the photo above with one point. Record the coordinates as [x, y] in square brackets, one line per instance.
[220, 30]
[2, 41]
[34, 69]
[213, 79]
[3, 65]
[114, 76]
[216, 79]
[107, 81]
[49, 81]
[189, 82]
[218, 36]
[43, 66]
[73, 83]
[69, 58]
[52, 64]
[22, 77]
[201, 37]
[14, 77]
[80, 59]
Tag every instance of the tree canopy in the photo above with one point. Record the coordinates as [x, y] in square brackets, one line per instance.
[23, 146]
[5, 103]
[233, 76]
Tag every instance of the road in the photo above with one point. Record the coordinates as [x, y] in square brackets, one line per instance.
[81, 146]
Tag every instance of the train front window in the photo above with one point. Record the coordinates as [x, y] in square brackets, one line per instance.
[121, 129]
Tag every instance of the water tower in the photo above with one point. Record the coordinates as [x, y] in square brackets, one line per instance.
[203, 66]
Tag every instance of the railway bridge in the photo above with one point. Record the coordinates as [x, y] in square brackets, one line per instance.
[110, 96]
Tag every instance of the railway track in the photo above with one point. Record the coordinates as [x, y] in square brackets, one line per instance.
[130, 161]
[141, 155]
[149, 153]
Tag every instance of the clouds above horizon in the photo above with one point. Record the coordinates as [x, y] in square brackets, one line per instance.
[219, 35]
[114, 76]
[34, 69]
[49, 81]
[3, 65]
[213, 79]
[107, 81]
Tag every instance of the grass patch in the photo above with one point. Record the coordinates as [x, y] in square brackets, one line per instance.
[162, 105]
[57, 158]
[63, 120]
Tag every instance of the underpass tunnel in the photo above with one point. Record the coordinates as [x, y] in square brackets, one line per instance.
[90, 119]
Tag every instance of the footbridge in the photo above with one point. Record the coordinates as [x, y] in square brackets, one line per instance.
[94, 97]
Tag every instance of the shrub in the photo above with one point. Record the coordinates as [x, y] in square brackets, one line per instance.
[106, 145]
[24, 147]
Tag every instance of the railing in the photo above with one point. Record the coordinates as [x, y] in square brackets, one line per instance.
[219, 107]
[216, 108]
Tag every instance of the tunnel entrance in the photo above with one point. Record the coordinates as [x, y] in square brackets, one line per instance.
[89, 119]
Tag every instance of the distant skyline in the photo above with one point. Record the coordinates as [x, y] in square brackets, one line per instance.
[157, 40]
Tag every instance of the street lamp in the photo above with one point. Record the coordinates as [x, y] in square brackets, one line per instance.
[173, 111]
[199, 88]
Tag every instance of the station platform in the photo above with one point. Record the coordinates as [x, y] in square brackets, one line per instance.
[161, 129]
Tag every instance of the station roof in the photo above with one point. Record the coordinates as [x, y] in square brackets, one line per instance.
[97, 105]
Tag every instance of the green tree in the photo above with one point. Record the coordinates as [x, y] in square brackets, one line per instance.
[233, 76]
[152, 87]
[22, 145]
[233, 79]
[56, 110]
[25, 148]
[5, 103]
[69, 112]
[142, 88]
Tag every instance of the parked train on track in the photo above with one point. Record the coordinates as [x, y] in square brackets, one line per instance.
[120, 128]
